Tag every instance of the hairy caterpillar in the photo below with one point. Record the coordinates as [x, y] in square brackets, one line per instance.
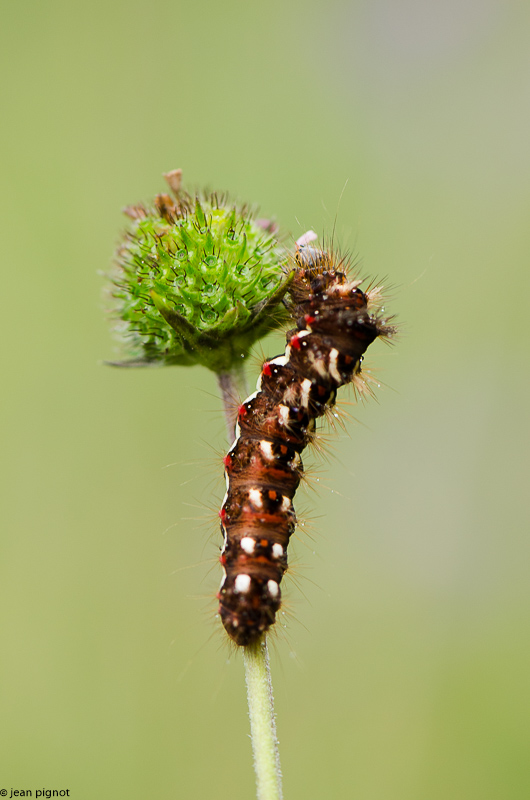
[263, 468]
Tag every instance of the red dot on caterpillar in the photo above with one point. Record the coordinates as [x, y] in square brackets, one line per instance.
[242, 411]
[295, 342]
[266, 369]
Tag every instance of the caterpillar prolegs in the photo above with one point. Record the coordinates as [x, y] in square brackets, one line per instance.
[263, 468]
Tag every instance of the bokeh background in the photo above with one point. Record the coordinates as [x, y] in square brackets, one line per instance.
[403, 668]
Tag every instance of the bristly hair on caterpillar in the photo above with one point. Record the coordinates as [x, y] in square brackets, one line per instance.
[335, 322]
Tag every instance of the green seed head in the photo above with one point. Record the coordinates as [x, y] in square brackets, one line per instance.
[197, 280]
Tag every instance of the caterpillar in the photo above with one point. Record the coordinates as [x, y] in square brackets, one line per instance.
[263, 468]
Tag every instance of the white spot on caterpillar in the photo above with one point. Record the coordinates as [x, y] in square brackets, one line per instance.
[345, 289]
[251, 397]
[334, 372]
[283, 413]
[266, 449]
[296, 461]
[242, 583]
[272, 586]
[280, 361]
[248, 544]
[254, 495]
[301, 334]
[286, 503]
[277, 550]
[306, 388]
[320, 366]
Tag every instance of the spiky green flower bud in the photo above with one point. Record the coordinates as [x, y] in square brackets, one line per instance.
[197, 280]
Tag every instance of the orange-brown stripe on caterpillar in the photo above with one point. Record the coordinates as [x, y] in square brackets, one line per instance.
[263, 468]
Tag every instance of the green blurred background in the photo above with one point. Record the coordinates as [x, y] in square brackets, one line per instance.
[403, 671]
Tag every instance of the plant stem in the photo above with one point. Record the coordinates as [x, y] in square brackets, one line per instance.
[255, 656]
[262, 721]
[233, 386]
